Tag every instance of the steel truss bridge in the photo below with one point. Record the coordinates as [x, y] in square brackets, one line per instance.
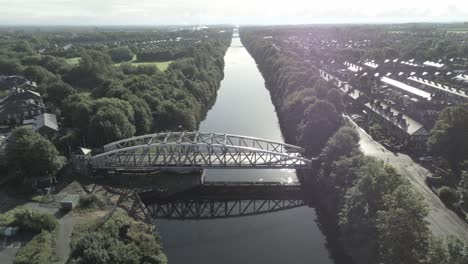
[198, 150]
[224, 200]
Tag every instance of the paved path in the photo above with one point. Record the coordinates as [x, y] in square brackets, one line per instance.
[442, 220]
[64, 237]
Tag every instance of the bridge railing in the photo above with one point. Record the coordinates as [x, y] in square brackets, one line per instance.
[198, 155]
[204, 138]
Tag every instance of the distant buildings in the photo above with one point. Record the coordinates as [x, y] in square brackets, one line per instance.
[15, 81]
[19, 105]
[25, 107]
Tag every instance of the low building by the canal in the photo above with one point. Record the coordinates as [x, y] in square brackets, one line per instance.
[407, 130]
[44, 124]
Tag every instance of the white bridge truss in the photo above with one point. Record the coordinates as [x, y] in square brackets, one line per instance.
[196, 150]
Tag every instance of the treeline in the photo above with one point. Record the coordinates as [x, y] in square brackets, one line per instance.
[99, 102]
[309, 109]
[379, 217]
[449, 146]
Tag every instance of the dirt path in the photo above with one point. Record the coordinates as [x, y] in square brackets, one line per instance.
[442, 220]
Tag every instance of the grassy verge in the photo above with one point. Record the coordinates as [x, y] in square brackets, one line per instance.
[73, 61]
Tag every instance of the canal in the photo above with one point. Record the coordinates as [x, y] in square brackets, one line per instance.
[244, 107]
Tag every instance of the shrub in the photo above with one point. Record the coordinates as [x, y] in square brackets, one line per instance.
[97, 242]
[448, 195]
[40, 250]
[34, 221]
[90, 201]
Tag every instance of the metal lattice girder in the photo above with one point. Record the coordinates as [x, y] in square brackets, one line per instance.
[210, 209]
[204, 138]
[215, 154]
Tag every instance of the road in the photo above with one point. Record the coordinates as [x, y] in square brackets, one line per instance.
[442, 220]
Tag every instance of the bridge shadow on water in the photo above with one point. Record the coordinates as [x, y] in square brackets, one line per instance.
[215, 200]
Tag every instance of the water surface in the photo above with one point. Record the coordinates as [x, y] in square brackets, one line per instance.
[244, 107]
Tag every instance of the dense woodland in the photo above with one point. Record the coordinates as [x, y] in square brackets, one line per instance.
[378, 215]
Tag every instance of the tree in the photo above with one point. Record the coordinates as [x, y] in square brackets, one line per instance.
[320, 121]
[112, 121]
[448, 138]
[77, 110]
[31, 155]
[103, 243]
[293, 110]
[447, 251]
[120, 54]
[363, 201]
[334, 97]
[34, 221]
[342, 144]
[142, 115]
[402, 228]
[39, 74]
[448, 195]
[57, 92]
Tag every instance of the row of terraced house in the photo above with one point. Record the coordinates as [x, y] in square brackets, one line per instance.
[403, 96]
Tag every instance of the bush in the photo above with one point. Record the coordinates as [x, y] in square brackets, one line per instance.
[40, 250]
[34, 221]
[118, 240]
[90, 201]
[448, 195]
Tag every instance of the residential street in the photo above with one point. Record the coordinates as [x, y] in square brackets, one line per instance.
[443, 221]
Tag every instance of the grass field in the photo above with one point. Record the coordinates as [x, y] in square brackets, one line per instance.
[73, 61]
[162, 66]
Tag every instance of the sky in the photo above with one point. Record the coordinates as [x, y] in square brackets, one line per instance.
[240, 12]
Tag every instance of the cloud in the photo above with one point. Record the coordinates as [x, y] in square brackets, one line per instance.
[120, 12]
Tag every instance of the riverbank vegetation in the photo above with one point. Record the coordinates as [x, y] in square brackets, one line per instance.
[41, 248]
[309, 109]
[115, 238]
[378, 216]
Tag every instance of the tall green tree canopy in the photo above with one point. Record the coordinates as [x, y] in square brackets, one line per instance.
[120, 54]
[320, 122]
[31, 155]
[448, 137]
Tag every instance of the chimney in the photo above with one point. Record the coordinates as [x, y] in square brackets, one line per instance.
[403, 123]
[399, 116]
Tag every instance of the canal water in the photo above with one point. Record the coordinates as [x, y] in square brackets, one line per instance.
[244, 107]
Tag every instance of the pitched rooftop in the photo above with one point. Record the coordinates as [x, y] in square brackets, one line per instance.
[406, 88]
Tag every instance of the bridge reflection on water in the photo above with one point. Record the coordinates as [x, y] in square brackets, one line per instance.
[214, 200]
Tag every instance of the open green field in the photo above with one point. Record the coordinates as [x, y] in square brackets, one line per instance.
[162, 66]
[73, 61]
